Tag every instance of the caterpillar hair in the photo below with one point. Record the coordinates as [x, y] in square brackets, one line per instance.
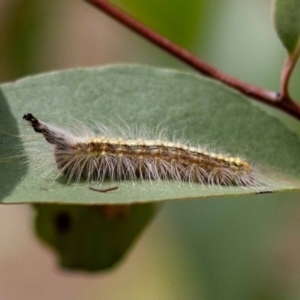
[95, 157]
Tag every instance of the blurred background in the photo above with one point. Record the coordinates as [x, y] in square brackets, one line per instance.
[225, 248]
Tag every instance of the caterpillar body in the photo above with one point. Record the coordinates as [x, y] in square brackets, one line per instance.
[94, 157]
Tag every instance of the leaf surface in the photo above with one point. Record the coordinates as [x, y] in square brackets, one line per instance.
[287, 23]
[168, 17]
[91, 238]
[201, 111]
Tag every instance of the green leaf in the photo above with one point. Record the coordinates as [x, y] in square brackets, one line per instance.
[175, 19]
[91, 238]
[287, 23]
[194, 107]
[26, 33]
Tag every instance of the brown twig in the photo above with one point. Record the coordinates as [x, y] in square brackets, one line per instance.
[285, 77]
[287, 70]
[268, 97]
[104, 191]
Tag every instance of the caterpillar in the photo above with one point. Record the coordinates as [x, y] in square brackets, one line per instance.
[96, 157]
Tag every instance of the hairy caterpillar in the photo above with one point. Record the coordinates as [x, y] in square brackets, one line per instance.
[94, 158]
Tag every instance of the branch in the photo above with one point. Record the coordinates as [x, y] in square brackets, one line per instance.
[268, 97]
[287, 70]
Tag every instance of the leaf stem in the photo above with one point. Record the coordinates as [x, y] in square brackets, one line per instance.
[281, 101]
[286, 73]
